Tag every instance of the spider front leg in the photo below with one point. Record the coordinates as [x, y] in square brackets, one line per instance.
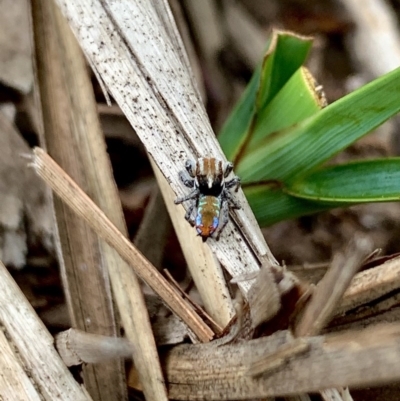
[187, 180]
[191, 195]
[234, 182]
[233, 203]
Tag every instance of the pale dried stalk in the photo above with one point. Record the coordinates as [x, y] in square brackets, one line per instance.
[270, 362]
[15, 48]
[144, 67]
[33, 346]
[203, 265]
[336, 395]
[371, 284]
[331, 288]
[84, 207]
[209, 281]
[181, 23]
[152, 234]
[375, 38]
[89, 139]
[69, 113]
[14, 382]
[209, 35]
[243, 29]
[76, 347]
[345, 359]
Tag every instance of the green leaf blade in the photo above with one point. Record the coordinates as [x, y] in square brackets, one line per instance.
[297, 151]
[271, 205]
[357, 182]
[295, 102]
[286, 53]
[285, 56]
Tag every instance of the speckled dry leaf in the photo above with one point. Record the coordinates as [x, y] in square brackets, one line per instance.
[147, 75]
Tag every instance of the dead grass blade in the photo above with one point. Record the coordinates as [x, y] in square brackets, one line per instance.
[146, 75]
[333, 285]
[31, 346]
[67, 95]
[371, 284]
[355, 358]
[84, 207]
[73, 136]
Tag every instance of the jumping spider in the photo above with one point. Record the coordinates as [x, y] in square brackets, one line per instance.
[210, 196]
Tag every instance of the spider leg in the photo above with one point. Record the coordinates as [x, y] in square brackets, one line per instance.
[234, 182]
[190, 167]
[188, 215]
[192, 195]
[224, 218]
[187, 180]
[228, 167]
[233, 203]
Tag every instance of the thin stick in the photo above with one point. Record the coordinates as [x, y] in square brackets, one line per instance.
[331, 288]
[197, 307]
[83, 206]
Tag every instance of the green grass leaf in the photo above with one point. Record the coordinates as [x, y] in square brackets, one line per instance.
[271, 205]
[290, 154]
[285, 55]
[357, 182]
[295, 102]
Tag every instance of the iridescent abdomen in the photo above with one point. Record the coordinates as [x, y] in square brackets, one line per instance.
[207, 218]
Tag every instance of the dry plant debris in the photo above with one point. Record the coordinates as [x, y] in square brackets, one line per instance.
[317, 319]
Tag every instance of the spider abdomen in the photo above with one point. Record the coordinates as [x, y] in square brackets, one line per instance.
[207, 218]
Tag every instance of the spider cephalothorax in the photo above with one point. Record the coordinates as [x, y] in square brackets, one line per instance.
[210, 195]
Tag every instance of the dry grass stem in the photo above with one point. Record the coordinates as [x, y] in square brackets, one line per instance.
[218, 329]
[355, 358]
[14, 381]
[331, 288]
[76, 347]
[73, 137]
[153, 231]
[31, 346]
[268, 363]
[204, 267]
[376, 37]
[84, 207]
[138, 64]
[370, 285]
[336, 395]
[243, 29]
